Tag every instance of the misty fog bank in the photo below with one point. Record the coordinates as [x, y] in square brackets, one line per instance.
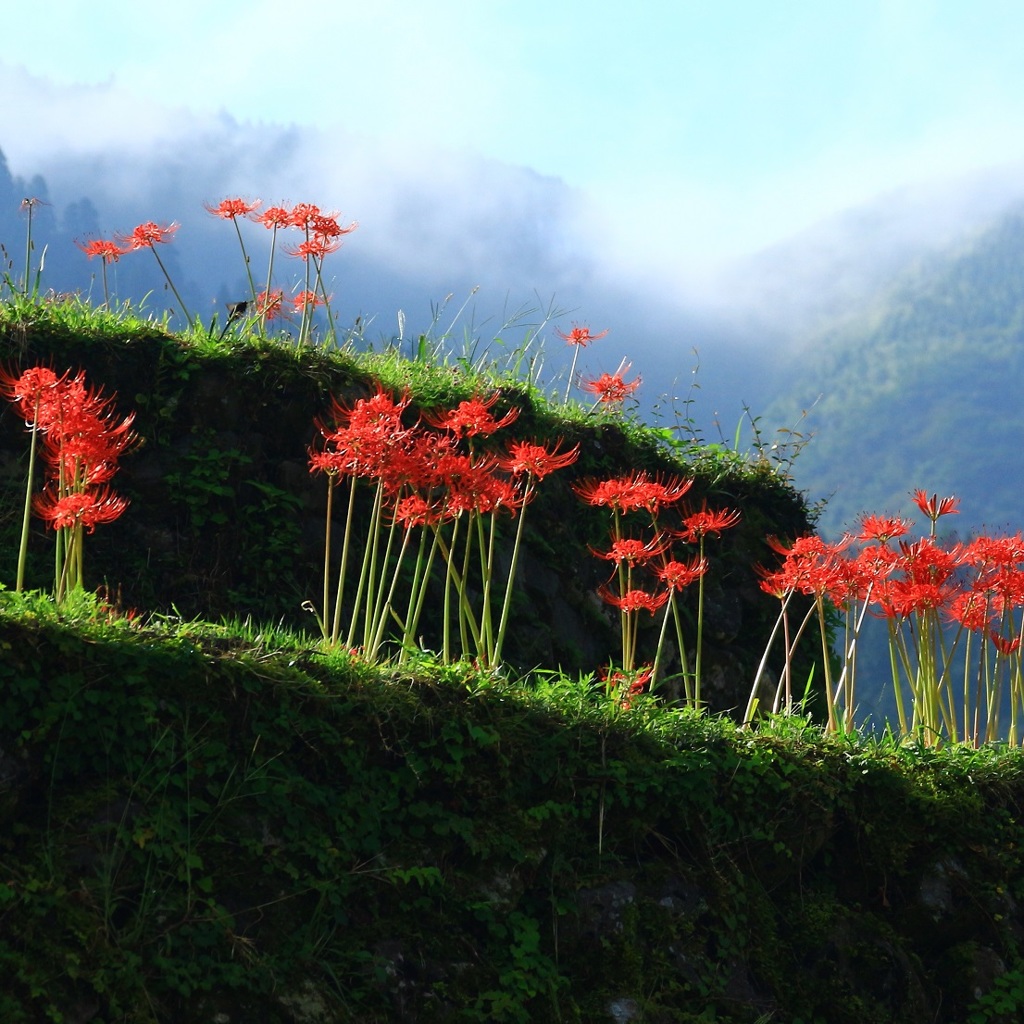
[501, 239]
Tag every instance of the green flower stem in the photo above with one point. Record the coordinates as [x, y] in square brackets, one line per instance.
[700, 630]
[343, 567]
[270, 278]
[418, 590]
[160, 263]
[245, 257]
[26, 519]
[385, 612]
[327, 559]
[512, 569]
[781, 622]
[367, 565]
[377, 610]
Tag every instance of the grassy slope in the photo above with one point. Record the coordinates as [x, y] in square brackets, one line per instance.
[199, 822]
[226, 520]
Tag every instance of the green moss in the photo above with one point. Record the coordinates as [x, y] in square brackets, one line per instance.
[195, 817]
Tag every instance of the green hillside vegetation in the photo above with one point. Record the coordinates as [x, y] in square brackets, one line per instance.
[208, 814]
[226, 520]
[921, 390]
[208, 825]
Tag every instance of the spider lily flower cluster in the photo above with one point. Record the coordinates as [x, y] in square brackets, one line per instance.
[612, 388]
[953, 613]
[78, 436]
[579, 337]
[436, 496]
[322, 235]
[650, 569]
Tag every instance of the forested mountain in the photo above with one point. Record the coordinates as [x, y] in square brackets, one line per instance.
[921, 388]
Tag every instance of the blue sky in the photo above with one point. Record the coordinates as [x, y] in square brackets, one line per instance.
[721, 126]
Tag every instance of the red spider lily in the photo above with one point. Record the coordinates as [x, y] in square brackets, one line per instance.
[74, 420]
[269, 304]
[883, 528]
[678, 575]
[81, 442]
[871, 567]
[85, 459]
[973, 610]
[229, 209]
[992, 552]
[534, 461]
[316, 247]
[900, 599]
[365, 439]
[232, 209]
[366, 436]
[472, 486]
[330, 462]
[81, 412]
[106, 250]
[327, 226]
[626, 494]
[364, 450]
[774, 582]
[273, 217]
[1005, 644]
[415, 510]
[579, 335]
[927, 582]
[303, 215]
[631, 551]
[471, 418]
[924, 561]
[146, 235]
[625, 685]
[30, 391]
[612, 387]
[529, 458]
[307, 299]
[629, 493]
[1008, 584]
[634, 600]
[661, 491]
[416, 466]
[79, 508]
[379, 409]
[706, 524]
[934, 507]
[919, 586]
[490, 494]
[811, 566]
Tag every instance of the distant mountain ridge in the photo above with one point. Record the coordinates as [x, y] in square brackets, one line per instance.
[833, 267]
[921, 388]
